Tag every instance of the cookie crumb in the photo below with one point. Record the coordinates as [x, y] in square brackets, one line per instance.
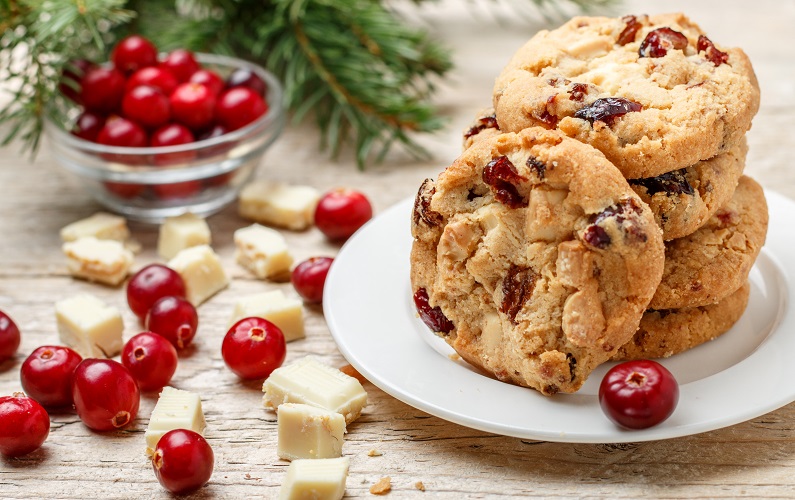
[454, 356]
[351, 371]
[419, 486]
[250, 477]
[382, 486]
[374, 453]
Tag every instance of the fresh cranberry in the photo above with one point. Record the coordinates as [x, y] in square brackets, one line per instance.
[172, 134]
[341, 212]
[147, 106]
[181, 63]
[175, 319]
[713, 54]
[46, 375]
[151, 359]
[133, 53]
[638, 394]
[433, 317]
[206, 152]
[154, 77]
[658, 42]
[24, 425]
[105, 394]
[122, 132]
[151, 284]
[211, 133]
[501, 175]
[309, 277]
[193, 105]
[177, 190]
[102, 90]
[253, 348]
[183, 461]
[244, 77]
[124, 190]
[607, 110]
[238, 107]
[208, 78]
[71, 76]
[9, 337]
[88, 126]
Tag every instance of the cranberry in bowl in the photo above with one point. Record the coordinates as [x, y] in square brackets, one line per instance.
[179, 158]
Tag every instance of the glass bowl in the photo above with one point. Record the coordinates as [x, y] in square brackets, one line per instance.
[149, 184]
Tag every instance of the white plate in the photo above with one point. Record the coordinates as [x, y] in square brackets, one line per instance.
[745, 373]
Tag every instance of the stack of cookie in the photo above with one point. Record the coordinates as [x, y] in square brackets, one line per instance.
[534, 257]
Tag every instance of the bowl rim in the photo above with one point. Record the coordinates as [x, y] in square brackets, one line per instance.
[274, 115]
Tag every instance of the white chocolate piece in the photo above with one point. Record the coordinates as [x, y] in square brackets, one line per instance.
[274, 204]
[103, 261]
[101, 225]
[263, 251]
[309, 432]
[202, 272]
[310, 382]
[286, 313]
[181, 232]
[318, 479]
[175, 409]
[89, 326]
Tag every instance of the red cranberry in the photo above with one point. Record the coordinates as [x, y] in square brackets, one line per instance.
[206, 152]
[154, 77]
[607, 110]
[175, 319]
[483, 123]
[433, 317]
[658, 42]
[102, 90]
[122, 132]
[124, 190]
[46, 375]
[239, 106]
[151, 284]
[133, 53]
[151, 359]
[244, 77]
[674, 182]
[105, 394]
[172, 134]
[517, 288]
[341, 212]
[88, 126]
[177, 190]
[253, 348]
[309, 277]
[712, 53]
[638, 394]
[183, 461]
[211, 133]
[630, 30]
[209, 79]
[147, 106]
[24, 425]
[9, 337]
[501, 175]
[193, 105]
[71, 76]
[181, 63]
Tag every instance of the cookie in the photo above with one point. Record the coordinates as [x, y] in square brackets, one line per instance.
[708, 265]
[683, 200]
[533, 258]
[653, 93]
[484, 126]
[663, 333]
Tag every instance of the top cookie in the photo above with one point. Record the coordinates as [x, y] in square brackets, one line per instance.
[534, 258]
[653, 93]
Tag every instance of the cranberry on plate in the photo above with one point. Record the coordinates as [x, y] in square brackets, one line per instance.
[638, 394]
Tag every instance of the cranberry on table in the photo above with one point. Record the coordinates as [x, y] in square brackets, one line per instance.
[238, 107]
[181, 63]
[105, 394]
[24, 425]
[253, 348]
[208, 78]
[102, 90]
[88, 126]
[175, 319]
[183, 461]
[151, 284]
[244, 77]
[71, 76]
[309, 278]
[154, 77]
[172, 134]
[638, 394]
[122, 132]
[46, 375]
[193, 105]
[9, 337]
[341, 212]
[151, 359]
[146, 105]
[133, 53]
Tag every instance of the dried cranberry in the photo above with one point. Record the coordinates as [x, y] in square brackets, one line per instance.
[537, 166]
[422, 205]
[578, 91]
[596, 236]
[715, 56]
[502, 176]
[658, 42]
[431, 316]
[517, 288]
[483, 123]
[630, 30]
[547, 118]
[670, 183]
[607, 110]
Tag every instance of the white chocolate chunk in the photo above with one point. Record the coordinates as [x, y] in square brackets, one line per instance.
[274, 204]
[202, 272]
[309, 432]
[89, 326]
[101, 225]
[318, 479]
[309, 381]
[181, 232]
[103, 261]
[175, 409]
[263, 251]
[286, 313]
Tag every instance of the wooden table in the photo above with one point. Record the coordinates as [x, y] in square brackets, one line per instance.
[752, 459]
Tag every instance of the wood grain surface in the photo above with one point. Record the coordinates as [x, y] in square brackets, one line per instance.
[755, 459]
